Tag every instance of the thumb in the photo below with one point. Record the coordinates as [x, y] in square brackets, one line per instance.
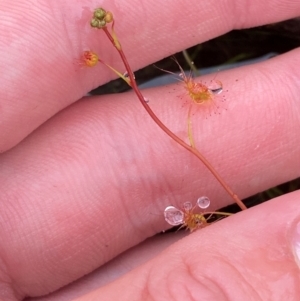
[253, 255]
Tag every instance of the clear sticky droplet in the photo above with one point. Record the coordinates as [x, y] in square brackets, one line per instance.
[173, 216]
[203, 202]
[215, 87]
[187, 206]
[146, 100]
[126, 75]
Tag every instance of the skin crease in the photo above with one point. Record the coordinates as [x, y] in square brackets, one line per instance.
[83, 182]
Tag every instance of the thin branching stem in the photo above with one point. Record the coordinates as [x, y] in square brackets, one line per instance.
[166, 129]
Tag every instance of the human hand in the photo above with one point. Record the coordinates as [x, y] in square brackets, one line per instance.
[93, 177]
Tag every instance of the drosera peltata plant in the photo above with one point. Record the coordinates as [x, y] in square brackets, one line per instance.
[200, 96]
[188, 217]
[198, 92]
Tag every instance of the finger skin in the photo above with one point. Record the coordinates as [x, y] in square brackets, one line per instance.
[92, 182]
[42, 42]
[253, 261]
[115, 268]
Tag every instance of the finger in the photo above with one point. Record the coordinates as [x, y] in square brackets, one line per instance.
[88, 184]
[117, 267]
[255, 260]
[41, 78]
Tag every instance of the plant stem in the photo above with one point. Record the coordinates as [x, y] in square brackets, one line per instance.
[166, 129]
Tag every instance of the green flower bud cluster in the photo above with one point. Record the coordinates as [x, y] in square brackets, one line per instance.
[100, 18]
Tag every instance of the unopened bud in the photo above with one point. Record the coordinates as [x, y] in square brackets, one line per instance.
[108, 17]
[99, 13]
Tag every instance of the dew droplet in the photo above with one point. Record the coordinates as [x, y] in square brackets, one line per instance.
[203, 202]
[173, 216]
[126, 75]
[215, 87]
[187, 206]
[146, 100]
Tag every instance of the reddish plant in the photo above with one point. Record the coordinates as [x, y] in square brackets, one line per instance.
[100, 20]
[188, 218]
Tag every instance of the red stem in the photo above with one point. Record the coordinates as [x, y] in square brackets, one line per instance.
[167, 130]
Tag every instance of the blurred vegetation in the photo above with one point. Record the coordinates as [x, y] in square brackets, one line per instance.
[235, 46]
